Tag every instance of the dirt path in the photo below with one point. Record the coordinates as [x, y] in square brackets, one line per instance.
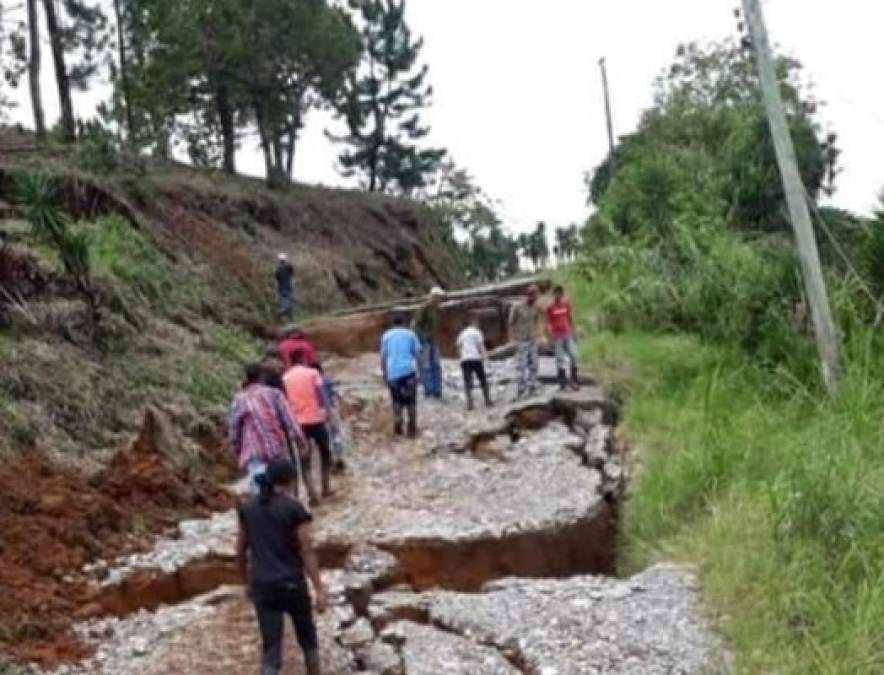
[417, 548]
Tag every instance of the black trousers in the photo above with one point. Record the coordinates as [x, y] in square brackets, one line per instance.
[318, 433]
[272, 604]
[470, 370]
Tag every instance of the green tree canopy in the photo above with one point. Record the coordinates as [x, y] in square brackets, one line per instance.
[382, 105]
[708, 124]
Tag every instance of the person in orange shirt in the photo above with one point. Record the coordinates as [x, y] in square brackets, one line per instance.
[304, 390]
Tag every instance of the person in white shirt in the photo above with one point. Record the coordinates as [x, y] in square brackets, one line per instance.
[471, 344]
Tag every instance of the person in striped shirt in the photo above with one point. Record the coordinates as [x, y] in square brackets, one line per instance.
[261, 426]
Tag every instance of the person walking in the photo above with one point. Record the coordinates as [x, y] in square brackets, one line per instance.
[294, 340]
[560, 326]
[285, 286]
[304, 390]
[525, 322]
[400, 354]
[274, 550]
[471, 345]
[334, 420]
[261, 426]
[426, 325]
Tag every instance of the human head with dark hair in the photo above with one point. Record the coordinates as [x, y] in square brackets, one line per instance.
[254, 373]
[559, 292]
[532, 294]
[279, 473]
[398, 319]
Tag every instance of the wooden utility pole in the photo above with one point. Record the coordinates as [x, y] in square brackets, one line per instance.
[815, 285]
[607, 105]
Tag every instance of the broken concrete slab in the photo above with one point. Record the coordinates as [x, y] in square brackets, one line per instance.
[427, 651]
[648, 624]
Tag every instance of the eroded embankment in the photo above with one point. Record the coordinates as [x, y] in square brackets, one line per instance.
[55, 519]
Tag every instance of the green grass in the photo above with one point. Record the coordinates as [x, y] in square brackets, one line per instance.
[775, 492]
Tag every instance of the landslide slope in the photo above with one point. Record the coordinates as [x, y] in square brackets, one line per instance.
[184, 261]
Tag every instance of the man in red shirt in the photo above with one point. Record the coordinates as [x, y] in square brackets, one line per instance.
[560, 325]
[296, 341]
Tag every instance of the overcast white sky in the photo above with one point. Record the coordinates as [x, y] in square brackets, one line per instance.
[518, 97]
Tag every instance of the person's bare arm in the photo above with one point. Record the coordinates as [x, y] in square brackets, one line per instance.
[311, 565]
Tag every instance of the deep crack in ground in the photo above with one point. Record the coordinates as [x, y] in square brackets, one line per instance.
[519, 493]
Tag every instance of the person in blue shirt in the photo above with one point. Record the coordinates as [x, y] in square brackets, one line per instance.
[400, 354]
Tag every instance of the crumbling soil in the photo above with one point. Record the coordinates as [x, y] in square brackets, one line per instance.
[55, 519]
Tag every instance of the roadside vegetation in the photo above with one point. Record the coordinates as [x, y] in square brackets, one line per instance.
[691, 304]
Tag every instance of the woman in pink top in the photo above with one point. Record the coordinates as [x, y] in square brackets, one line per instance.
[304, 390]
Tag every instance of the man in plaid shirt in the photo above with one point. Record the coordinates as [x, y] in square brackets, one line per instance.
[261, 425]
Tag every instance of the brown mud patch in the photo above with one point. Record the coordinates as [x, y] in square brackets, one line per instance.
[56, 519]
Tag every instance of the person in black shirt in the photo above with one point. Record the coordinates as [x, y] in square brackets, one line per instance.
[285, 275]
[274, 551]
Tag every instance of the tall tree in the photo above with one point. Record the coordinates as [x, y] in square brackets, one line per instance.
[123, 65]
[382, 105]
[265, 62]
[34, 64]
[299, 54]
[78, 31]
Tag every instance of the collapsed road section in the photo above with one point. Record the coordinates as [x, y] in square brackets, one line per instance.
[486, 545]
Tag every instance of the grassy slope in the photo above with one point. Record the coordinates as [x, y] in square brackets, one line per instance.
[774, 492]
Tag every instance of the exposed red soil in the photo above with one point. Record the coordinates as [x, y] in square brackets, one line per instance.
[56, 519]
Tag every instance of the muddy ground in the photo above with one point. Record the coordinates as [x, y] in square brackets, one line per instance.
[55, 519]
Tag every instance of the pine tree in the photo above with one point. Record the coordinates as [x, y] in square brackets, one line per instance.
[382, 105]
[78, 37]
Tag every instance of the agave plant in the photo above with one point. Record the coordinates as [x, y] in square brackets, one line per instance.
[50, 224]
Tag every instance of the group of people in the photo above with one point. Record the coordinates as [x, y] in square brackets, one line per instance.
[409, 353]
[287, 411]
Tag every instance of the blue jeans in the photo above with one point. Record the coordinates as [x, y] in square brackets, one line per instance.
[431, 369]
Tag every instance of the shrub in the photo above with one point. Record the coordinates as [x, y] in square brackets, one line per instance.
[98, 149]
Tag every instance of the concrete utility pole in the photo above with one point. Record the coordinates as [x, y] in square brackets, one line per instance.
[607, 105]
[815, 286]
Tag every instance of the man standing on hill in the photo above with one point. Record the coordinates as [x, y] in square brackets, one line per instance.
[400, 354]
[274, 549]
[560, 326]
[260, 425]
[525, 322]
[426, 325]
[303, 386]
[285, 275]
